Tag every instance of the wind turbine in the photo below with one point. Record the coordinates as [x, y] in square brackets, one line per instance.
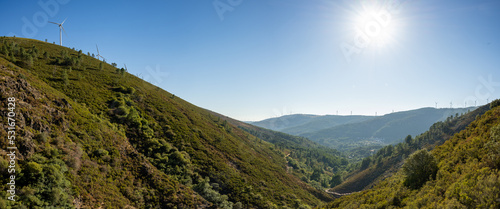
[99, 55]
[436, 105]
[61, 28]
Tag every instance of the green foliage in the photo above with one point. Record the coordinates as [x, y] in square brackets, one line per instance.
[65, 77]
[365, 163]
[420, 167]
[336, 180]
[495, 103]
[115, 139]
[388, 159]
[467, 174]
[206, 190]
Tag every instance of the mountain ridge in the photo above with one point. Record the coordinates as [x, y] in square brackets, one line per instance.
[350, 132]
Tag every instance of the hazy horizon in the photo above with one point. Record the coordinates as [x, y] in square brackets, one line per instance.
[252, 60]
[378, 114]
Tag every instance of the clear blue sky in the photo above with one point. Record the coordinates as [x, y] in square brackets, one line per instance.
[276, 57]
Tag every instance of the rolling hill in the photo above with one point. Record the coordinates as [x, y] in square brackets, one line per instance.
[300, 123]
[350, 132]
[389, 159]
[91, 135]
[465, 173]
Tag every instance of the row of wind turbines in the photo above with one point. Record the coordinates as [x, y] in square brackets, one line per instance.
[61, 29]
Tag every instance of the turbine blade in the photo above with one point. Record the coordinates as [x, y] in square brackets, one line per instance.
[97, 50]
[54, 23]
[64, 30]
[64, 21]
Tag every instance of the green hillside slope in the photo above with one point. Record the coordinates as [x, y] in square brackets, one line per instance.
[92, 135]
[467, 174]
[389, 159]
[315, 164]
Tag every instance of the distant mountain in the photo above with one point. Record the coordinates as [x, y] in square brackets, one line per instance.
[348, 132]
[324, 122]
[383, 130]
[300, 123]
[284, 122]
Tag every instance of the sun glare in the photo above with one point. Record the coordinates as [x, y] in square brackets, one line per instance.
[375, 25]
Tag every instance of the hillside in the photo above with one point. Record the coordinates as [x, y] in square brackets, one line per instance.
[383, 130]
[91, 135]
[466, 173]
[313, 163]
[389, 159]
[284, 122]
[325, 122]
[299, 123]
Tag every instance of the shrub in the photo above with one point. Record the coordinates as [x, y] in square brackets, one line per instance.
[419, 168]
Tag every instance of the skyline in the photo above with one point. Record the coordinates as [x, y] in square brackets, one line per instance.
[253, 60]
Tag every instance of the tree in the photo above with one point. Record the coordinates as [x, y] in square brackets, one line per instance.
[316, 175]
[65, 77]
[29, 60]
[365, 163]
[419, 168]
[114, 64]
[101, 66]
[495, 103]
[336, 180]
[408, 139]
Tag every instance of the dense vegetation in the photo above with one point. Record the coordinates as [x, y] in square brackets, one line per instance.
[90, 135]
[467, 173]
[317, 165]
[388, 159]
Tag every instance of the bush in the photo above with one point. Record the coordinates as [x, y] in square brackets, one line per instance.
[419, 168]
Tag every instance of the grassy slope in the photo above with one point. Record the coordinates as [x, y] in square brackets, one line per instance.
[64, 136]
[388, 164]
[196, 143]
[468, 175]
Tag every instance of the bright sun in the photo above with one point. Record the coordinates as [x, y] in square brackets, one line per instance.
[375, 24]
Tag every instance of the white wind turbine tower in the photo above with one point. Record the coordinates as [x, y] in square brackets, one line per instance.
[99, 55]
[61, 28]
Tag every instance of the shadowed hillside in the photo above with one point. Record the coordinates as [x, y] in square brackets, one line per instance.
[90, 135]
